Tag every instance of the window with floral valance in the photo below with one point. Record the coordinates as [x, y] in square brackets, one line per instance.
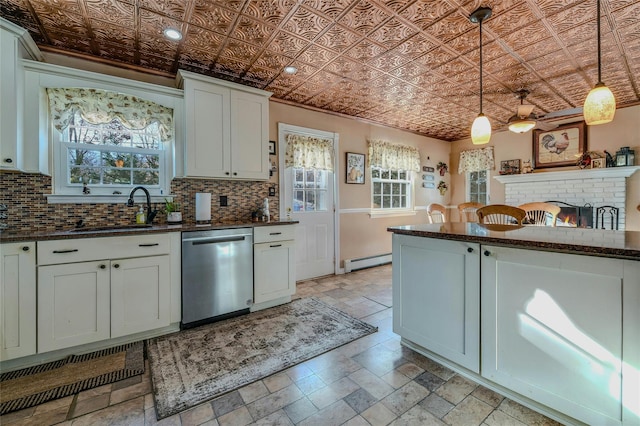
[386, 155]
[476, 160]
[309, 153]
[102, 107]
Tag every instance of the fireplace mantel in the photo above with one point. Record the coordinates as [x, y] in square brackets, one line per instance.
[610, 172]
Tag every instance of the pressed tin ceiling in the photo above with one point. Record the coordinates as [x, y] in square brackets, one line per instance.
[411, 64]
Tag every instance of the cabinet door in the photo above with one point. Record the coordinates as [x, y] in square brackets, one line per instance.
[140, 294]
[249, 136]
[436, 297]
[10, 137]
[208, 130]
[17, 300]
[552, 329]
[73, 304]
[274, 270]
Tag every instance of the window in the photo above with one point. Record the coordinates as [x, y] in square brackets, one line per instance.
[478, 187]
[309, 190]
[109, 142]
[391, 189]
[110, 155]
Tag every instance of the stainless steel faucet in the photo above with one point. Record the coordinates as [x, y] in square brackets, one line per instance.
[151, 214]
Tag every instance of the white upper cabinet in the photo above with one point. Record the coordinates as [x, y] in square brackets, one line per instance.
[227, 129]
[15, 43]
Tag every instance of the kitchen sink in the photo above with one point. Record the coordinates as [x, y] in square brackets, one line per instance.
[113, 228]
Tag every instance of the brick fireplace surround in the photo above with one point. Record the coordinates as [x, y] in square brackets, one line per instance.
[597, 187]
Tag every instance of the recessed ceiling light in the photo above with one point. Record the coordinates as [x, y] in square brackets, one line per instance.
[290, 69]
[172, 34]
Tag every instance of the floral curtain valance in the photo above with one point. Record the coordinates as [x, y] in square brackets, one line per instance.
[309, 152]
[476, 160]
[393, 156]
[101, 107]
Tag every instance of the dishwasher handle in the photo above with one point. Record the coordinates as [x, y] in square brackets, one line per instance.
[214, 240]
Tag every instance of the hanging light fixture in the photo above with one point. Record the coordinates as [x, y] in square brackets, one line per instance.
[600, 105]
[481, 128]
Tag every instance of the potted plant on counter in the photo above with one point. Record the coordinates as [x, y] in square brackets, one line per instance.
[172, 209]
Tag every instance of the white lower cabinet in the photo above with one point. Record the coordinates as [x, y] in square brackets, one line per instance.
[274, 274]
[73, 304]
[436, 288]
[140, 290]
[17, 300]
[126, 290]
[556, 331]
[552, 330]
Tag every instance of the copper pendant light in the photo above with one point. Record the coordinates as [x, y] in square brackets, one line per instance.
[600, 105]
[481, 128]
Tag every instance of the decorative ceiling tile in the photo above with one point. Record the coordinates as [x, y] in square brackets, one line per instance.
[104, 32]
[364, 17]
[306, 24]
[208, 16]
[410, 64]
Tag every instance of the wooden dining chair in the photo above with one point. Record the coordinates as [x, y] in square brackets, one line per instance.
[540, 214]
[468, 211]
[500, 214]
[436, 213]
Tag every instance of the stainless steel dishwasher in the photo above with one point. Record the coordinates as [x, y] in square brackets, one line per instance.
[217, 274]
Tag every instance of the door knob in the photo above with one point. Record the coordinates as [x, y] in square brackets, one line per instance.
[487, 253]
[116, 265]
[469, 250]
[103, 266]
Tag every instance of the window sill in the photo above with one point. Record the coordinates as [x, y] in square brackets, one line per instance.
[103, 199]
[391, 213]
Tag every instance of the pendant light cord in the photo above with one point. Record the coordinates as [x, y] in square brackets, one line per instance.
[481, 64]
[599, 54]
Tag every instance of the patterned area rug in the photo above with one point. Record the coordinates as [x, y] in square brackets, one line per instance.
[193, 366]
[75, 373]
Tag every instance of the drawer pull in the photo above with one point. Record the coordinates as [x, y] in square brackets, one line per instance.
[65, 251]
[25, 248]
[149, 245]
[116, 265]
[275, 233]
[276, 245]
[469, 250]
[487, 253]
[103, 266]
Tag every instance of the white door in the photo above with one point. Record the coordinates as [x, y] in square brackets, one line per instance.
[310, 194]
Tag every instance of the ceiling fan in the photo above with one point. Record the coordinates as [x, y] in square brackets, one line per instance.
[525, 120]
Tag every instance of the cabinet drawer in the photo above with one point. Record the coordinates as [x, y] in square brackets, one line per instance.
[266, 234]
[87, 249]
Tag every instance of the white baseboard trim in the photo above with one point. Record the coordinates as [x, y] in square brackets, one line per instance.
[366, 262]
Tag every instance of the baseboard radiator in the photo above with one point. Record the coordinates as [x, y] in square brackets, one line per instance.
[366, 262]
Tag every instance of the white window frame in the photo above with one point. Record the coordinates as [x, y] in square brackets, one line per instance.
[409, 193]
[468, 187]
[61, 170]
[39, 76]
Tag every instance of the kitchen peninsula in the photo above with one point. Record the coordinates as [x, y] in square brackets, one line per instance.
[547, 316]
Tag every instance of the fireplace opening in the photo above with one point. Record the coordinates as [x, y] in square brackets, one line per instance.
[574, 216]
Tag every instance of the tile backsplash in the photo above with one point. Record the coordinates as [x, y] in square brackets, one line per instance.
[28, 210]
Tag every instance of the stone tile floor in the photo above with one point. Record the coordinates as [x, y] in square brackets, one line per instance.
[371, 381]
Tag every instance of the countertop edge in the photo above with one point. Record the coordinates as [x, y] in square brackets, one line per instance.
[89, 233]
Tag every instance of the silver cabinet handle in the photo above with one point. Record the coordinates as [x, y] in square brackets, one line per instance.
[65, 251]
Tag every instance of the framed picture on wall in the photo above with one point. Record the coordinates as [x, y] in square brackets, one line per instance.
[559, 147]
[355, 168]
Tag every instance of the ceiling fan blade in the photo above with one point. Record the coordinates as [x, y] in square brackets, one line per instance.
[562, 113]
[524, 110]
[545, 126]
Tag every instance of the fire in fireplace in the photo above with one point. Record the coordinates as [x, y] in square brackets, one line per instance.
[575, 216]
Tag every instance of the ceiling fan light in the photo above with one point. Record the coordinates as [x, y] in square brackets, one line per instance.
[521, 125]
[480, 130]
[600, 105]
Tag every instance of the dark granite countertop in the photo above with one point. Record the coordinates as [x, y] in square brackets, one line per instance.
[89, 232]
[592, 242]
